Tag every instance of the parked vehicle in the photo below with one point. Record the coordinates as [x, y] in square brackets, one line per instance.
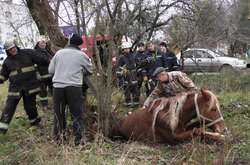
[205, 60]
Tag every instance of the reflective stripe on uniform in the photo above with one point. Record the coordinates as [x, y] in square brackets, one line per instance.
[34, 90]
[23, 70]
[46, 76]
[13, 73]
[4, 126]
[13, 94]
[28, 69]
[42, 98]
[2, 78]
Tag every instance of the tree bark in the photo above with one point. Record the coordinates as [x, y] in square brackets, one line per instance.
[41, 12]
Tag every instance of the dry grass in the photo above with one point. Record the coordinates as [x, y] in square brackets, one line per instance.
[30, 145]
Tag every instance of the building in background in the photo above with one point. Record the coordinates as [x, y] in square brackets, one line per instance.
[17, 24]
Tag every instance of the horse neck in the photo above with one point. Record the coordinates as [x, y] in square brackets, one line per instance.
[188, 111]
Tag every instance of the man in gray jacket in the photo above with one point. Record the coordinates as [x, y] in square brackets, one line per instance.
[68, 66]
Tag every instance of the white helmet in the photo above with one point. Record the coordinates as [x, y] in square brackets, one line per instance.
[126, 45]
[9, 44]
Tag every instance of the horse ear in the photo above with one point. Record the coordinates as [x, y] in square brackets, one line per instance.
[205, 94]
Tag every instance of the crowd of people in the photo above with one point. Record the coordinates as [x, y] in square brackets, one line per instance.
[33, 72]
[134, 68]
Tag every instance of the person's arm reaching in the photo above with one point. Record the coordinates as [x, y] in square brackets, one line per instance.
[154, 95]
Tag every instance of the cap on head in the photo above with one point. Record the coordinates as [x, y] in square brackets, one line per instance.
[158, 70]
[9, 44]
[126, 45]
[76, 40]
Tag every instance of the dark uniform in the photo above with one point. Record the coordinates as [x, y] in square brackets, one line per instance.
[23, 83]
[170, 61]
[128, 79]
[154, 60]
[141, 67]
[45, 77]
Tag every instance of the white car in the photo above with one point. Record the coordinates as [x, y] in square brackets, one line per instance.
[2, 55]
[205, 60]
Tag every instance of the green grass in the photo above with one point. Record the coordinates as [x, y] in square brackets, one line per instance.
[30, 145]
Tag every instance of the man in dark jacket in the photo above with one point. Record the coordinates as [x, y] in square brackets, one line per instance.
[45, 77]
[68, 66]
[18, 67]
[141, 63]
[170, 61]
[154, 57]
[128, 77]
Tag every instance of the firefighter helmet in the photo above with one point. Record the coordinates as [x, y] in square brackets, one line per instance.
[126, 45]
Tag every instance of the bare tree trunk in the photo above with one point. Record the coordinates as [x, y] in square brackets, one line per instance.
[42, 10]
[77, 16]
[84, 30]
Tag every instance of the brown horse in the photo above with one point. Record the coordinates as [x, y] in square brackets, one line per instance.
[176, 119]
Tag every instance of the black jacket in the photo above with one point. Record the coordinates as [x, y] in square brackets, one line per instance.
[43, 69]
[171, 61]
[127, 69]
[155, 60]
[20, 71]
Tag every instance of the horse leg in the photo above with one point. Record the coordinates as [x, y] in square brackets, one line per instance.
[184, 135]
[210, 135]
[214, 136]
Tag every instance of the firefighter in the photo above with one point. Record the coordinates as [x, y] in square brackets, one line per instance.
[141, 63]
[154, 60]
[19, 68]
[170, 61]
[128, 77]
[45, 77]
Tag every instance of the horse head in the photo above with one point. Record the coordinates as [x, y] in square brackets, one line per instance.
[208, 111]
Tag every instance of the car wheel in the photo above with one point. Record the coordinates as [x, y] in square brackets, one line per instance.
[227, 69]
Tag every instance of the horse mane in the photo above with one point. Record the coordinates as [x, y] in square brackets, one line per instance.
[172, 115]
[213, 100]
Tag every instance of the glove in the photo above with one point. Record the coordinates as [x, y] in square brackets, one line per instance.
[150, 59]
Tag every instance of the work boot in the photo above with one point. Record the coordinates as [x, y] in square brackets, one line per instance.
[35, 122]
[3, 131]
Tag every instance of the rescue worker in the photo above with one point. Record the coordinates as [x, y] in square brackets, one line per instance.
[170, 61]
[68, 66]
[154, 60]
[45, 77]
[19, 68]
[141, 63]
[169, 84]
[128, 78]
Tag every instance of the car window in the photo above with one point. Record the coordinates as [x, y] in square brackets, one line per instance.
[202, 54]
[188, 54]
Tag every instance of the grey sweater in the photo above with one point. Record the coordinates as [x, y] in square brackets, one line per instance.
[68, 66]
